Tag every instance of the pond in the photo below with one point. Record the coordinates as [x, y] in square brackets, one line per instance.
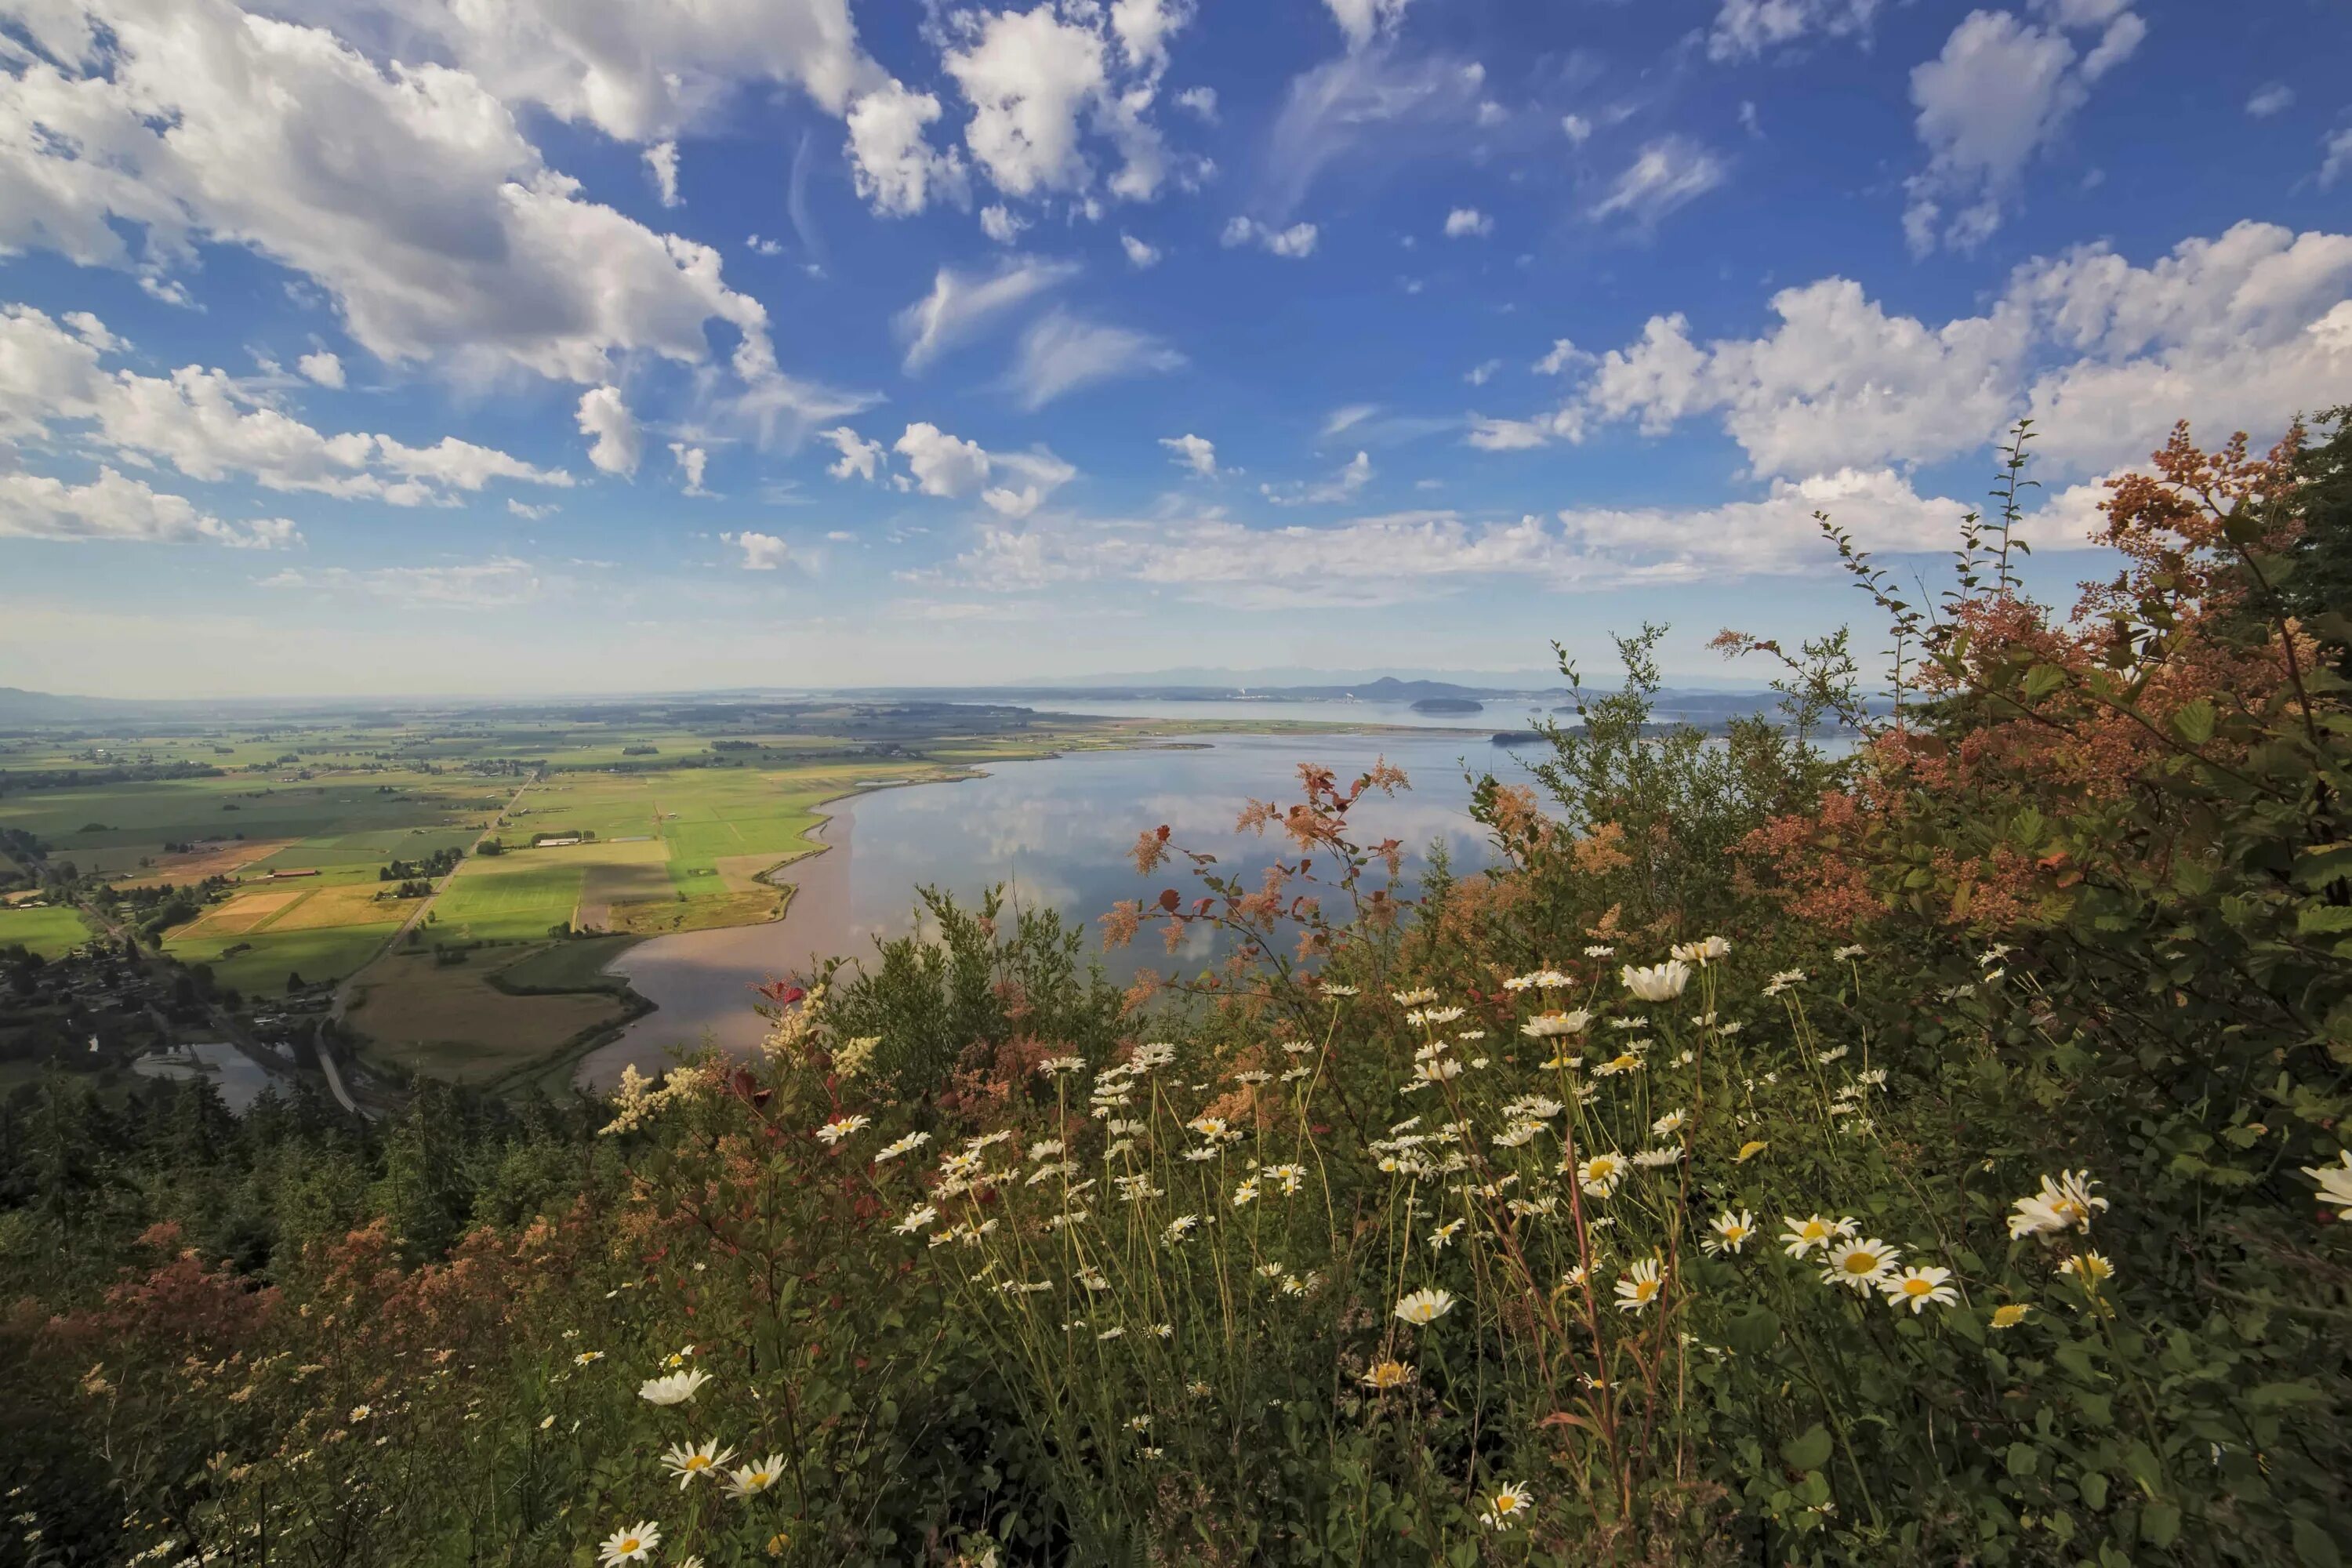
[1057, 832]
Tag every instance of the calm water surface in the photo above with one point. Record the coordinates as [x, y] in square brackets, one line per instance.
[1057, 832]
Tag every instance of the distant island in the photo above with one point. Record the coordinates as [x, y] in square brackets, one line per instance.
[1449, 705]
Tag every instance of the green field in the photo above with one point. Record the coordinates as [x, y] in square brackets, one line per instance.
[51, 933]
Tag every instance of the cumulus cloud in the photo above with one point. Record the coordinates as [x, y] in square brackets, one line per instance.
[762, 552]
[408, 195]
[1201, 100]
[947, 465]
[2339, 159]
[322, 367]
[209, 426]
[1060, 353]
[661, 163]
[640, 71]
[892, 164]
[1353, 476]
[1577, 129]
[961, 305]
[2242, 331]
[859, 458]
[691, 462]
[2001, 90]
[1194, 452]
[1395, 557]
[1468, 223]
[1296, 242]
[1667, 174]
[117, 510]
[1139, 255]
[1745, 28]
[1479, 374]
[616, 442]
[1035, 79]
[999, 224]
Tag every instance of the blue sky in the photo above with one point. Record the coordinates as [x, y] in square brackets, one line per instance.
[400, 346]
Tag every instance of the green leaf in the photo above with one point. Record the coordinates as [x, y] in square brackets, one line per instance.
[1753, 1332]
[2095, 1489]
[2279, 1396]
[2328, 863]
[2025, 1459]
[2323, 920]
[2194, 721]
[2313, 1546]
[2159, 1524]
[1808, 1451]
[2041, 680]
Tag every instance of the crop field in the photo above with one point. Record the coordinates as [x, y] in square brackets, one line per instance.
[452, 1021]
[48, 932]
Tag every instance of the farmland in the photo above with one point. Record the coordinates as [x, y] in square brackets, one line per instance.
[290, 854]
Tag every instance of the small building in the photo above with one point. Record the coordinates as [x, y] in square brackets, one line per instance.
[305, 871]
[553, 843]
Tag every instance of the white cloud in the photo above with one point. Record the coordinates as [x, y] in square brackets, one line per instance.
[1745, 28]
[1562, 356]
[1341, 420]
[943, 464]
[1194, 452]
[1662, 176]
[1201, 100]
[892, 165]
[2339, 157]
[1508, 434]
[124, 511]
[1483, 371]
[961, 305]
[617, 443]
[2001, 90]
[952, 468]
[525, 509]
[1140, 254]
[762, 552]
[1352, 476]
[997, 221]
[2242, 331]
[1143, 28]
[1410, 555]
[211, 427]
[642, 71]
[1362, 21]
[692, 463]
[1028, 76]
[1578, 128]
[859, 457]
[2271, 98]
[1468, 223]
[1387, 104]
[1060, 353]
[322, 367]
[409, 195]
[661, 162]
[1296, 242]
[498, 583]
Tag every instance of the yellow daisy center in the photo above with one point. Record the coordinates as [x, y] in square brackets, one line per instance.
[1917, 1287]
[1860, 1262]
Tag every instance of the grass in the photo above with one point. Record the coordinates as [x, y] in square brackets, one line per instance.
[565, 966]
[325, 954]
[459, 1022]
[51, 933]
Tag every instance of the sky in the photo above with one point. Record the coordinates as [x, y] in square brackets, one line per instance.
[372, 347]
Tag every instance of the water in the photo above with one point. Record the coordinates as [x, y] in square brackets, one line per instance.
[1500, 713]
[1060, 832]
[238, 1077]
